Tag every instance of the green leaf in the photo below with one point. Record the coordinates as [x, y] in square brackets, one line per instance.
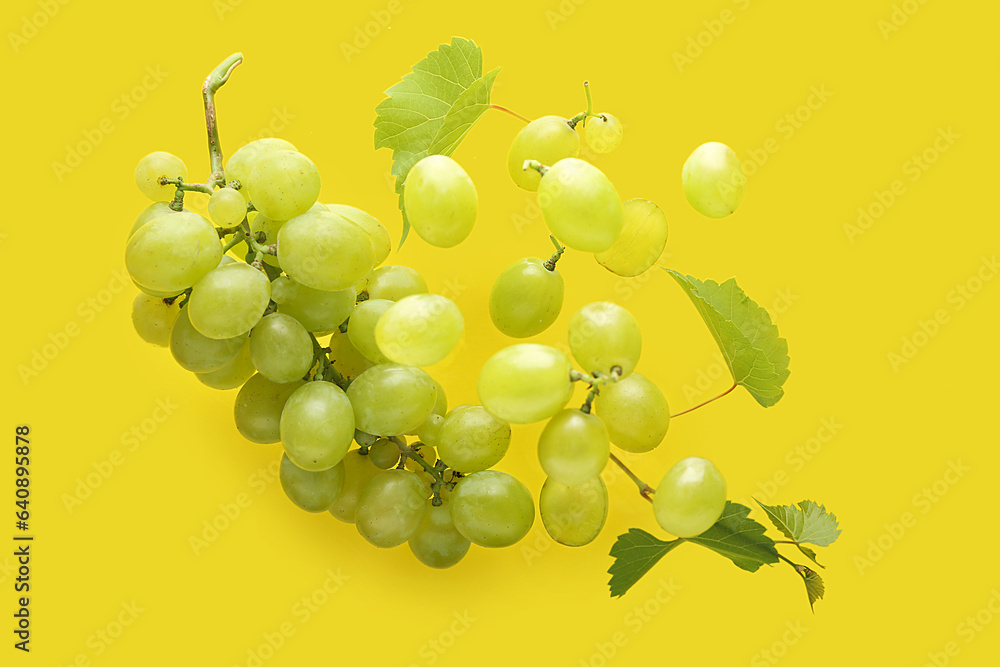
[815, 588]
[635, 553]
[808, 522]
[431, 110]
[810, 554]
[756, 355]
[739, 538]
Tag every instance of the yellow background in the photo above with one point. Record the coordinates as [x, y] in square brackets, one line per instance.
[843, 306]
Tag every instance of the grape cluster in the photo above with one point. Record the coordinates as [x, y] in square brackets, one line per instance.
[244, 297]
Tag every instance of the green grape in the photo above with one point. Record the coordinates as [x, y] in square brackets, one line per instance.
[358, 471]
[284, 184]
[391, 399]
[574, 447]
[470, 439]
[152, 212]
[437, 543]
[395, 282]
[573, 515]
[346, 358]
[316, 310]
[580, 205]
[227, 207]
[198, 353]
[603, 133]
[441, 404]
[258, 407]
[425, 452]
[281, 348]
[391, 507]
[241, 164]
[492, 509]
[317, 425]
[384, 453]
[377, 233]
[361, 328]
[419, 330]
[440, 201]
[231, 374]
[172, 252]
[547, 139]
[526, 298]
[525, 383]
[313, 491]
[152, 168]
[324, 250]
[429, 432]
[603, 336]
[365, 439]
[635, 412]
[362, 285]
[643, 237]
[690, 497]
[153, 318]
[262, 223]
[229, 300]
[713, 179]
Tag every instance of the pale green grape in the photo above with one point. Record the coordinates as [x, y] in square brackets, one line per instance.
[317, 310]
[362, 285]
[365, 439]
[317, 425]
[346, 358]
[580, 205]
[358, 471]
[690, 497]
[152, 168]
[390, 508]
[172, 252]
[258, 407]
[470, 439]
[429, 432]
[635, 412]
[425, 452]
[262, 223]
[419, 330]
[384, 453]
[574, 447]
[152, 212]
[391, 399]
[153, 318]
[573, 515]
[441, 405]
[525, 383]
[361, 328]
[643, 237]
[313, 491]
[284, 184]
[713, 179]
[437, 543]
[377, 233]
[227, 207]
[229, 300]
[395, 282]
[198, 353]
[324, 250]
[526, 298]
[603, 336]
[281, 348]
[241, 164]
[231, 374]
[603, 133]
[547, 139]
[440, 201]
[492, 509]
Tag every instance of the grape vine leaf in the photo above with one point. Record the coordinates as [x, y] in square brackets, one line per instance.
[756, 355]
[808, 522]
[815, 588]
[739, 538]
[635, 553]
[432, 108]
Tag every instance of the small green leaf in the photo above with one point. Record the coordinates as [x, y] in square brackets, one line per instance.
[808, 522]
[635, 553]
[814, 584]
[431, 110]
[756, 355]
[739, 538]
[810, 554]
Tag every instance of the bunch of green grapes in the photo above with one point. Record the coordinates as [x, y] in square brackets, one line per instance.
[290, 302]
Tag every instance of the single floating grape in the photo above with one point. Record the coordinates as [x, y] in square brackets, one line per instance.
[391, 399]
[241, 164]
[573, 515]
[391, 508]
[547, 139]
[258, 408]
[604, 133]
[152, 168]
[470, 439]
[440, 201]
[574, 447]
[603, 336]
[713, 179]
[313, 491]
[525, 383]
[284, 184]
[358, 471]
[643, 237]
[437, 543]
[580, 205]
[172, 252]
[281, 349]
[526, 298]
[324, 250]
[492, 509]
[419, 330]
[690, 498]
[229, 300]
[317, 425]
[635, 412]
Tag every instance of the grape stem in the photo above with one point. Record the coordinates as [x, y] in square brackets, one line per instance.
[536, 165]
[703, 403]
[233, 242]
[506, 110]
[645, 490]
[550, 263]
[584, 115]
[412, 453]
[213, 82]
